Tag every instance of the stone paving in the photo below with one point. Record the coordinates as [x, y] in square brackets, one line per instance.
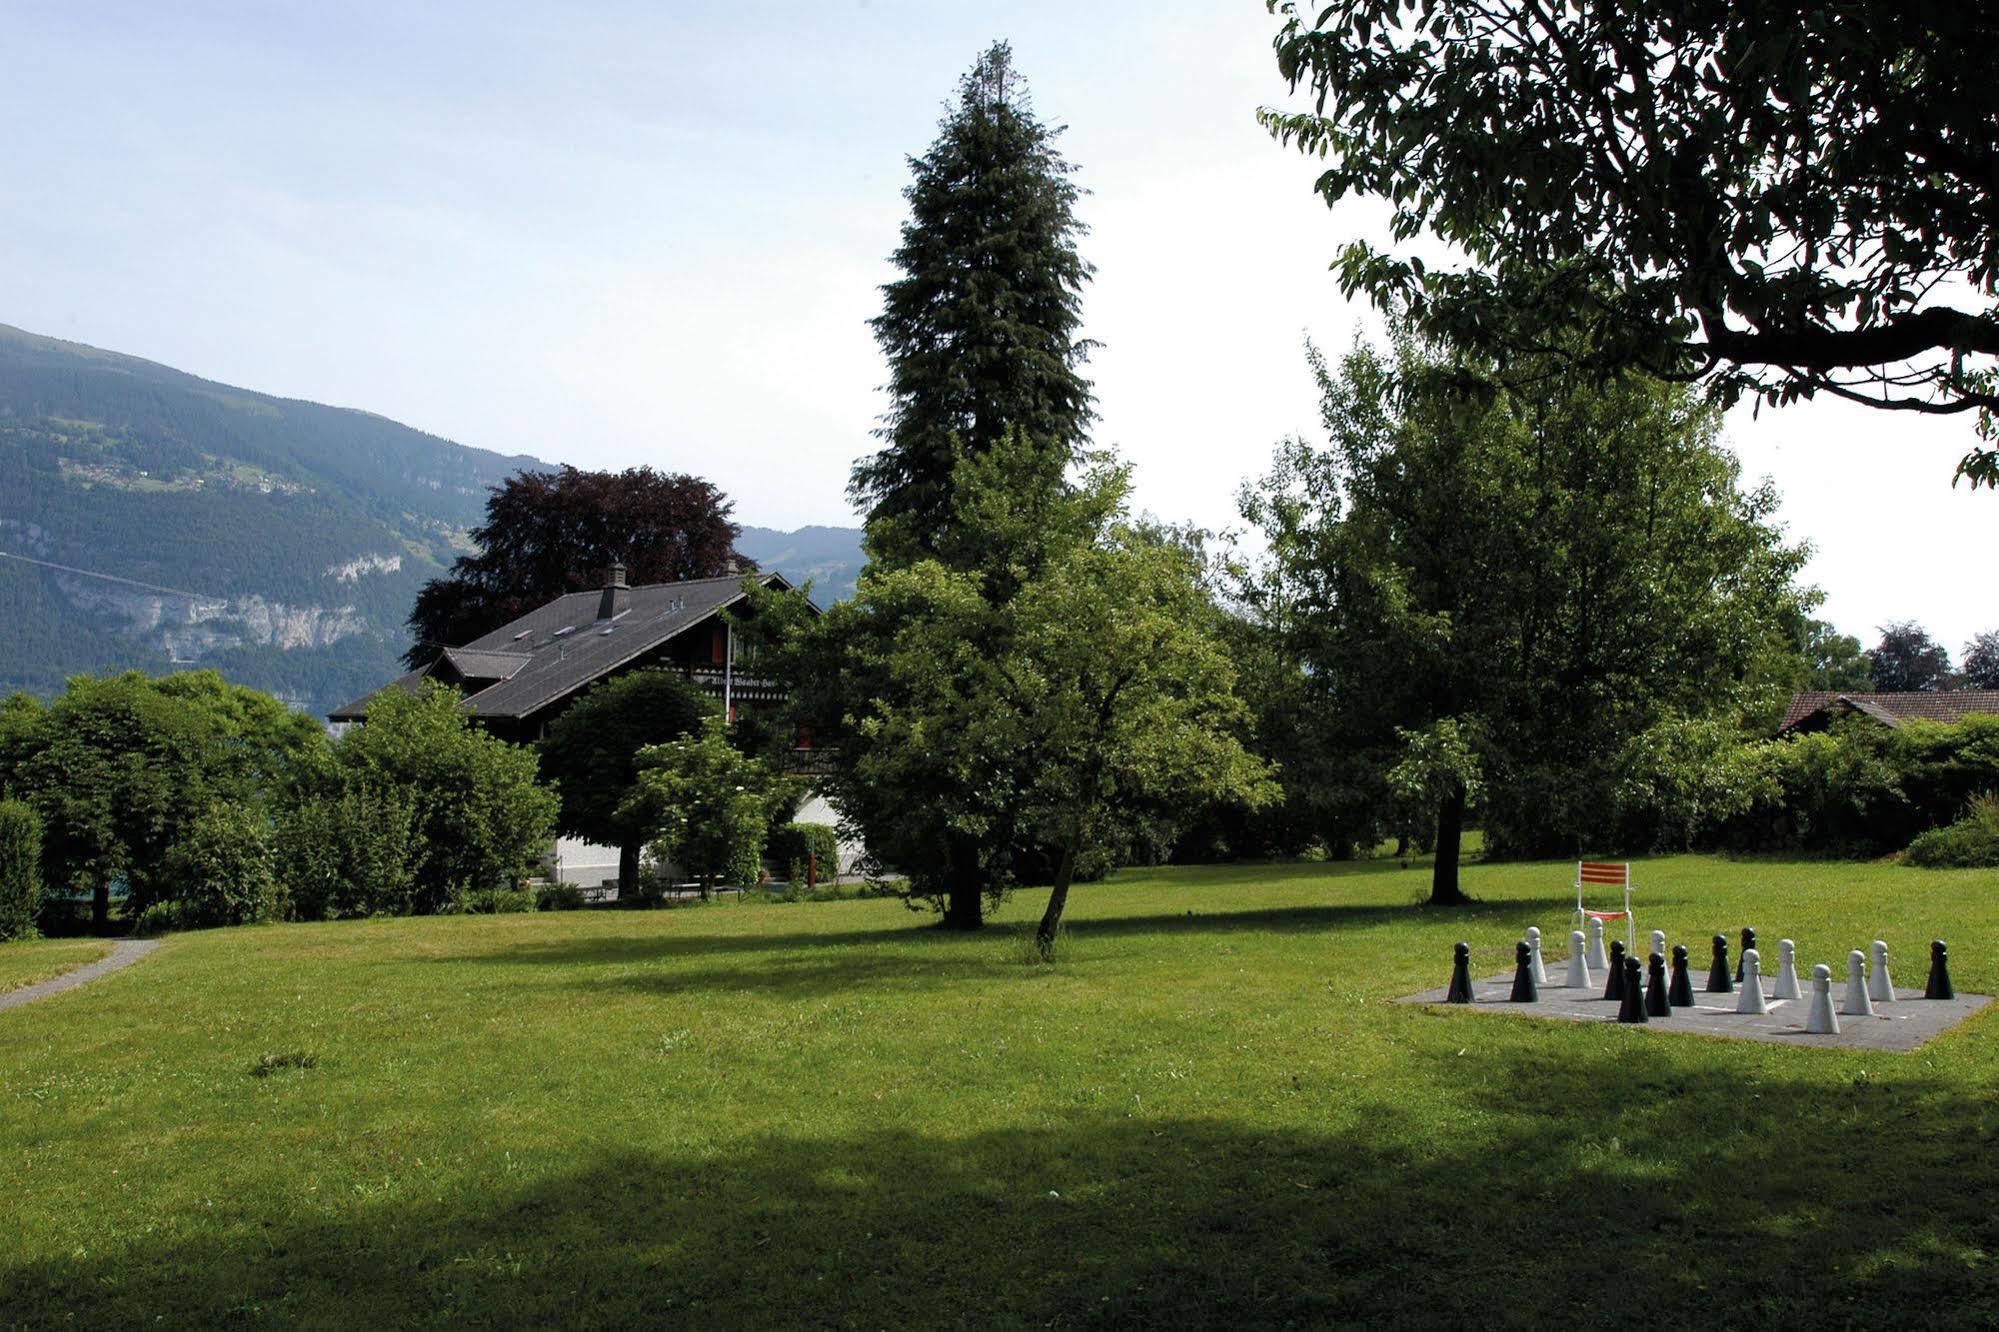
[123, 954]
[1906, 1024]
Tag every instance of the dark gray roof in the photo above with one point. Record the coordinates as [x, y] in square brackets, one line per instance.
[556, 649]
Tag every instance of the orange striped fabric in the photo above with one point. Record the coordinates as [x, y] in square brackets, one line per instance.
[1596, 873]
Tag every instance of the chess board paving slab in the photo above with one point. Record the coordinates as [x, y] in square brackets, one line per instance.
[1907, 1024]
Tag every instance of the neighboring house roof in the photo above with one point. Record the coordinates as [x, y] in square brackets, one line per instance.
[1942, 705]
[554, 650]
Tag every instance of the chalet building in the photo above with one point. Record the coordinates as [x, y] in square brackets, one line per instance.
[1815, 710]
[518, 678]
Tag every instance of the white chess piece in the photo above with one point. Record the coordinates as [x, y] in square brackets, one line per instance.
[1578, 963]
[1820, 1020]
[1535, 967]
[1879, 987]
[1659, 947]
[1857, 1004]
[1750, 1000]
[1787, 971]
[1597, 959]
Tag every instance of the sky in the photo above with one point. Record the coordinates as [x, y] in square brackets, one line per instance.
[613, 235]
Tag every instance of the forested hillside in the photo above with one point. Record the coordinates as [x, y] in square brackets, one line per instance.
[830, 558]
[149, 518]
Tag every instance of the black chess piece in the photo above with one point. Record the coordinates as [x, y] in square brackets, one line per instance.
[1614, 988]
[1633, 1007]
[1748, 942]
[1680, 994]
[1939, 986]
[1524, 989]
[1719, 981]
[1460, 992]
[1655, 989]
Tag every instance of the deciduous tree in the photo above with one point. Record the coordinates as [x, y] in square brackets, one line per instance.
[591, 756]
[1048, 682]
[707, 804]
[1981, 661]
[479, 819]
[1789, 200]
[1497, 592]
[550, 533]
[1907, 658]
[1833, 660]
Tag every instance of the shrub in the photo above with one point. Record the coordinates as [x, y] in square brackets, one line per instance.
[558, 897]
[492, 901]
[350, 854]
[20, 869]
[794, 845]
[219, 872]
[1970, 843]
[164, 918]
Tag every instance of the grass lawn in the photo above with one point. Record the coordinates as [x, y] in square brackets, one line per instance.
[828, 1114]
[26, 961]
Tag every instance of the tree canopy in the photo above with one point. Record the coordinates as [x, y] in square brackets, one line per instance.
[1497, 595]
[1045, 689]
[1980, 662]
[591, 752]
[981, 330]
[118, 767]
[551, 533]
[1907, 658]
[478, 818]
[1789, 200]
[1832, 660]
[706, 803]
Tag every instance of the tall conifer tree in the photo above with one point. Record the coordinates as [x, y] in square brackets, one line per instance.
[981, 329]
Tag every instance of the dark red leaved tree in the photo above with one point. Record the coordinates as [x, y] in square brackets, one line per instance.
[547, 533]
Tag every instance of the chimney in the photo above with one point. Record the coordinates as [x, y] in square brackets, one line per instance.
[614, 599]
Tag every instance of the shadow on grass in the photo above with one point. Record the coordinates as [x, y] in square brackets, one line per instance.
[921, 943]
[1559, 1191]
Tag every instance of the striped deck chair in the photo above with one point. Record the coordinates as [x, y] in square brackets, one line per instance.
[1600, 874]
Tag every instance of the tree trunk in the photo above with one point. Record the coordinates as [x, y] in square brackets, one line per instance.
[964, 908]
[628, 871]
[1444, 890]
[100, 906]
[1065, 870]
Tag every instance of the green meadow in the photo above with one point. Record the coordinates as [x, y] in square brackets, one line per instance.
[27, 961]
[1208, 1110]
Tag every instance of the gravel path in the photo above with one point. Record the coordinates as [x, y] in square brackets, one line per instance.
[123, 954]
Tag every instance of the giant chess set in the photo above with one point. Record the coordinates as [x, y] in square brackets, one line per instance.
[1735, 999]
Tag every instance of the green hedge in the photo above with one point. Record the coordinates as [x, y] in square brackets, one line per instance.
[1861, 788]
[20, 869]
[792, 843]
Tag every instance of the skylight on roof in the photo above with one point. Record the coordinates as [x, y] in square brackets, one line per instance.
[522, 634]
[565, 629]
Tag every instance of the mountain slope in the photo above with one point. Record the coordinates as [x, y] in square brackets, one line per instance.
[150, 518]
[153, 519]
[829, 557]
